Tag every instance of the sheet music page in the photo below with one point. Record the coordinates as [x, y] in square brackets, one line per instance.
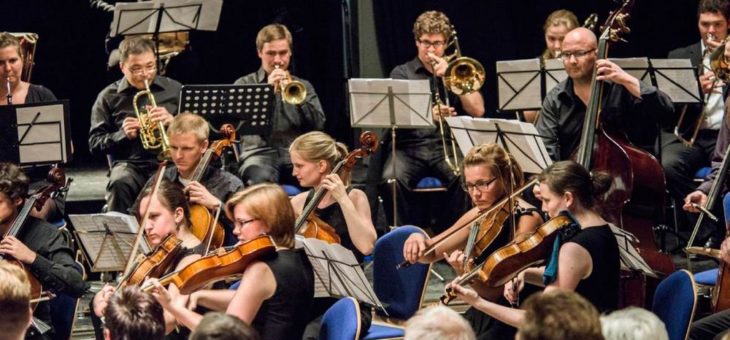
[370, 103]
[637, 67]
[182, 15]
[521, 76]
[107, 250]
[322, 282]
[42, 133]
[676, 78]
[555, 73]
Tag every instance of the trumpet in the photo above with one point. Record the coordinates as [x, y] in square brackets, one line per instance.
[720, 66]
[294, 91]
[463, 75]
[151, 134]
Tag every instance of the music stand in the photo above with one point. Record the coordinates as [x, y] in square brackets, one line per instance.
[35, 134]
[393, 104]
[158, 16]
[248, 107]
[106, 239]
[676, 78]
[523, 84]
[337, 273]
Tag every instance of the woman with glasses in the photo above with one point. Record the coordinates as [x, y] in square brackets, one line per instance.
[488, 171]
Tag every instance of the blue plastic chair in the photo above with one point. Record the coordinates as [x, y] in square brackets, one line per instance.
[342, 322]
[675, 300]
[290, 190]
[709, 277]
[429, 184]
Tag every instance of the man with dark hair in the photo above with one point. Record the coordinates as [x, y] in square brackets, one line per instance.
[266, 158]
[133, 315]
[681, 162]
[115, 128]
[37, 245]
[221, 326]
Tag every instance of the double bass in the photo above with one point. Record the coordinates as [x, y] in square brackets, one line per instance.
[638, 178]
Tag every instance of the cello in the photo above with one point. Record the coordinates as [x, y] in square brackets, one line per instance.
[308, 224]
[638, 178]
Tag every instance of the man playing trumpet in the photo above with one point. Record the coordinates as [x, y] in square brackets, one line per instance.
[266, 158]
[115, 126]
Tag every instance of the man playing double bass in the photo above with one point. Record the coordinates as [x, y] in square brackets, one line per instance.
[188, 142]
[629, 104]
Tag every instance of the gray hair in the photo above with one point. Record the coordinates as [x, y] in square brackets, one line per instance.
[438, 322]
[633, 323]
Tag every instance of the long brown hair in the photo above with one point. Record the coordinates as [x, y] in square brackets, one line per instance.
[569, 176]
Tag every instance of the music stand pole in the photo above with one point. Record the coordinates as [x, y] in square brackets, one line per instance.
[156, 34]
[394, 180]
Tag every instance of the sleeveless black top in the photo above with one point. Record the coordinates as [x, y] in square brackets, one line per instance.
[601, 287]
[503, 238]
[332, 214]
[286, 313]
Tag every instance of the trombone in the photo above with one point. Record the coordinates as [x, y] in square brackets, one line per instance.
[464, 75]
[294, 91]
[151, 134]
[720, 66]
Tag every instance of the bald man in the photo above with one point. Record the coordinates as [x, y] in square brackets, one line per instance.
[629, 105]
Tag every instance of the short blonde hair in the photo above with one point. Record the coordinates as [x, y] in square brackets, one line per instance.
[14, 299]
[273, 32]
[432, 22]
[438, 322]
[189, 122]
[268, 203]
[318, 146]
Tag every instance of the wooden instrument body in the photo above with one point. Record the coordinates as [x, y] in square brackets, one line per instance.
[319, 229]
[156, 263]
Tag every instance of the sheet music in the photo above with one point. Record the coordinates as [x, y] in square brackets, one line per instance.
[554, 73]
[518, 83]
[106, 249]
[637, 67]
[41, 132]
[370, 103]
[676, 78]
[630, 257]
[182, 15]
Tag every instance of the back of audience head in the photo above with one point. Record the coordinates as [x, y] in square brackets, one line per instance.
[438, 322]
[133, 315]
[559, 315]
[219, 326]
[14, 301]
[633, 323]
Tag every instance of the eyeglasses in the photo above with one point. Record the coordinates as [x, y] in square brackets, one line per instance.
[565, 55]
[480, 185]
[139, 70]
[427, 44]
[241, 224]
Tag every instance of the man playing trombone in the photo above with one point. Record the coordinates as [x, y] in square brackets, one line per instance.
[419, 152]
[297, 110]
[115, 122]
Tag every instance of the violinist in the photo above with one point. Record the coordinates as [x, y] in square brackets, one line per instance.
[168, 215]
[313, 156]
[188, 135]
[38, 246]
[487, 177]
[587, 263]
[276, 292]
[628, 104]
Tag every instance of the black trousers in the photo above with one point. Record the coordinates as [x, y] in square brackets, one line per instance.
[126, 181]
[711, 327]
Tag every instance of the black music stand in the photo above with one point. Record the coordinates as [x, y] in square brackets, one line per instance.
[390, 103]
[35, 134]
[523, 84]
[676, 78]
[337, 273]
[158, 16]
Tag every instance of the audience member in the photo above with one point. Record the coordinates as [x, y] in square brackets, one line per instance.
[633, 323]
[220, 326]
[133, 314]
[438, 322]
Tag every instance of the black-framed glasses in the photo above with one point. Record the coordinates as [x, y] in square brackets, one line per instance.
[481, 185]
[565, 55]
[240, 224]
[427, 43]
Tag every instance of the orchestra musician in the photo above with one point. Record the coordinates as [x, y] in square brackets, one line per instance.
[266, 158]
[487, 177]
[115, 128]
[188, 134]
[680, 161]
[168, 215]
[275, 293]
[347, 210]
[14, 301]
[39, 246]
[629, 104]
[22, 92]
[419, 151]
[587, 263]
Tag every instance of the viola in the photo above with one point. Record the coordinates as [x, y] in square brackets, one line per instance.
[527, 251]
[308, 224]
[58, 183]
[203, 224]
[219, 265]
[155, 263]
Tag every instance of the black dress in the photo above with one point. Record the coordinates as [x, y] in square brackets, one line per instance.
[601, 287]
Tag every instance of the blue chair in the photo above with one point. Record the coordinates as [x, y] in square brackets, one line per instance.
[675, 300]
[290, 190]
[342, 322]
[63, 306]
[400, 290]
[709, 277]
[429, 184]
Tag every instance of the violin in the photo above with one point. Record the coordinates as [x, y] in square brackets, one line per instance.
[219, 265]
[508, 261]
[203, 225]
[58, 183]
[155, 263]
[308, 224]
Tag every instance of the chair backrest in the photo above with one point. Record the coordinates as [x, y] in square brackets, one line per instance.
[400, 290]
[726, 208]
[675, 300]
[341, 321]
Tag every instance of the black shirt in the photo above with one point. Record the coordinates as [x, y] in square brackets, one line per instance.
[332, 214]
[601, 287]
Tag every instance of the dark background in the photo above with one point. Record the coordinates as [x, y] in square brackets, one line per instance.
[71, 54]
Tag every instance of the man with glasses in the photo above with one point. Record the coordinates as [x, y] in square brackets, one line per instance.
[419, 152]
[115, 127]
[628, 104]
